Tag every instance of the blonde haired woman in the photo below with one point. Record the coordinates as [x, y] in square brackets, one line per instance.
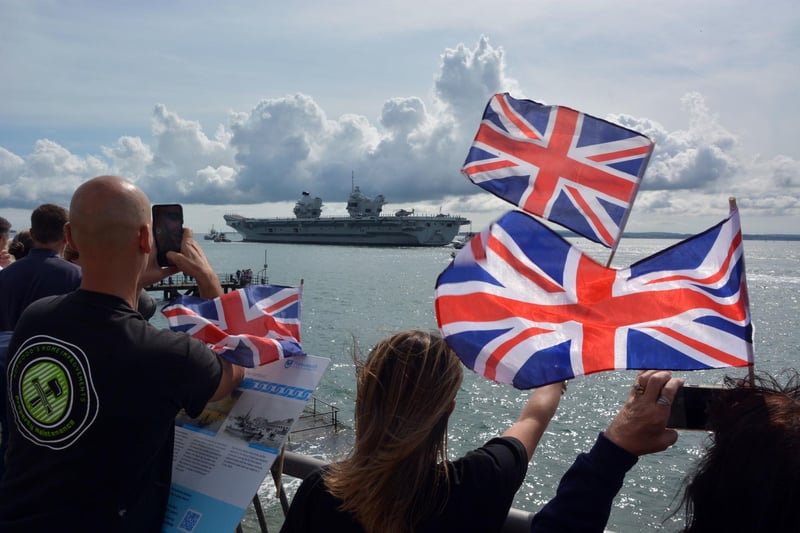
[398, 478]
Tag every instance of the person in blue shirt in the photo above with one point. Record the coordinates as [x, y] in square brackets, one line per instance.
[43, 272]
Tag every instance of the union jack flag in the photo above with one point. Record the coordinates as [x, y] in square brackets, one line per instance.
[521, 305]
[557, 163]
[249, 327]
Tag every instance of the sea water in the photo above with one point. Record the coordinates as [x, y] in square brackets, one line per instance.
[354, 296]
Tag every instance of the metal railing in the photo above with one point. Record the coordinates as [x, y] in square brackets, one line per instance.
[316, 415]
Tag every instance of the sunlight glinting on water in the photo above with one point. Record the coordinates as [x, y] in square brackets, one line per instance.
[366, 294]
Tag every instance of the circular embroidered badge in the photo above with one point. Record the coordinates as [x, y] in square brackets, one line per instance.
[51, 391]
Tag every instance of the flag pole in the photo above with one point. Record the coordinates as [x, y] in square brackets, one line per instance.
[623, 223]
[614, 248]
[751, 370]
[627, 214]
[622, 226]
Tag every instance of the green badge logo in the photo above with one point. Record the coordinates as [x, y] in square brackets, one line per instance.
[51, 391]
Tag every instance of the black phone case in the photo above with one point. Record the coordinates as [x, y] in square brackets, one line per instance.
[167, 230]
[689, 408]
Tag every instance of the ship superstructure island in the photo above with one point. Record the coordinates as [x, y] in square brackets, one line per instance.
[365, 225]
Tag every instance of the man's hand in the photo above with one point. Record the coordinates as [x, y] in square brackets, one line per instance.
[154, 273]
[5, 258]
[193, 262]
[640, 426]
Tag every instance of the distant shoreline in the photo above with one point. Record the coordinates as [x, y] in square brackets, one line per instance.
[662, 235]
[681, 236]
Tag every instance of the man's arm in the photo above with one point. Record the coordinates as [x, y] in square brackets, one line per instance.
[232, 376]
[192, 261]
[587, 490]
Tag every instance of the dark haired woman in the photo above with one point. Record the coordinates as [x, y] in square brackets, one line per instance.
[21, 244]
[749, 477]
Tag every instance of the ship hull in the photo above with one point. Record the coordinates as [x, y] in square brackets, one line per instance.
[370, 231]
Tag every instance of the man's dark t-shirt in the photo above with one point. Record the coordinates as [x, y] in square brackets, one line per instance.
[93, 393]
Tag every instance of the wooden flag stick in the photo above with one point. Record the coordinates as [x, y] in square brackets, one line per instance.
[611, 255]
[751, 370]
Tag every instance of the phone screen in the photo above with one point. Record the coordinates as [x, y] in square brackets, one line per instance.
[689, 408]
[167, 230]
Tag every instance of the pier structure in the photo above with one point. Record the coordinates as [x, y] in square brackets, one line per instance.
[317, 416]
[182, 285]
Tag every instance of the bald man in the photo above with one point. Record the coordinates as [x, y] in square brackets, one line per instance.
[94, 388]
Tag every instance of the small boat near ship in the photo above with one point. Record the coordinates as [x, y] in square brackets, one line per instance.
[221, 237]
[460, 243]
[211, 235]
[365, 225]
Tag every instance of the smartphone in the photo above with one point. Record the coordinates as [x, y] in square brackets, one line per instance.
[167, 230]
[689, 409]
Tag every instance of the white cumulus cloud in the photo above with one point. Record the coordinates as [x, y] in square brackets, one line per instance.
[411, 153]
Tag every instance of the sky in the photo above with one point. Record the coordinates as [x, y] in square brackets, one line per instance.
[241, 106]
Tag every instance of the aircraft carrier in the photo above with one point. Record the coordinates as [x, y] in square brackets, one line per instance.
[365, 225]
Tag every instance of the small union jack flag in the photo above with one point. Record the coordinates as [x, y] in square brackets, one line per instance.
[554, 162]
[249, 327]
[521, 305]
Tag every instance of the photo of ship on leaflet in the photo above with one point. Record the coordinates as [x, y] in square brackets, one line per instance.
[365, 225]
[258, 424]
[259, 430]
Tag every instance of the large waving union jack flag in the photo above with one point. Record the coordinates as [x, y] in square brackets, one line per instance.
[557, 163]
[521, 305]
[249, 327]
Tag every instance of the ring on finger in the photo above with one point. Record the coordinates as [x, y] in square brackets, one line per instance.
[663, 400]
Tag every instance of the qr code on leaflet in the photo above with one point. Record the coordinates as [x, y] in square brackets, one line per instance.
[189, 520]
